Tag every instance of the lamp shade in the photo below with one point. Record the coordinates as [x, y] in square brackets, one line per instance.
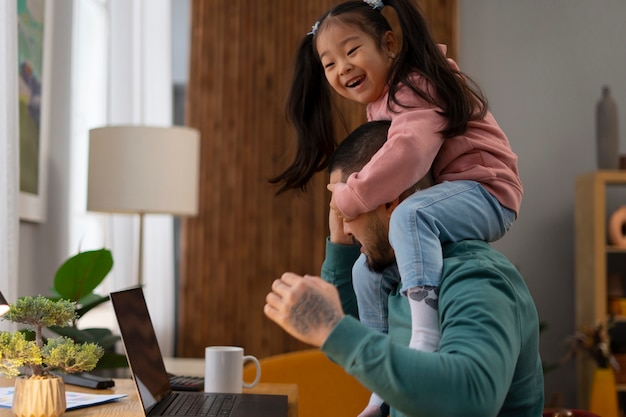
[143, 169]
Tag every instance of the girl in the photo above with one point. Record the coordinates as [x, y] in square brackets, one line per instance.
[440, 125]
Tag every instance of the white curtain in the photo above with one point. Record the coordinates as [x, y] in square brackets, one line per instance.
[140, 93]
[122, 61]
[9, 153]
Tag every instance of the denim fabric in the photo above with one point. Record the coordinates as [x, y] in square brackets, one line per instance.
[447, 212]
[372, 293]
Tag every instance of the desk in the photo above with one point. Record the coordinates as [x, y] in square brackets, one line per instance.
[124, 407]
[130, 407]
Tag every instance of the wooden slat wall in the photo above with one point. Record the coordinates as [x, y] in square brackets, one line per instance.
[244, 236]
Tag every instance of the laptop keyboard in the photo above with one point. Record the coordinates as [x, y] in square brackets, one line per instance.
[210, 405]
[186, 383]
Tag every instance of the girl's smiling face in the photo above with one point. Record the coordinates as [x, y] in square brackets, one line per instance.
[354, 64]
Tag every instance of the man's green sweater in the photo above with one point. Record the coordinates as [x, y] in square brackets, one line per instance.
[488, 360]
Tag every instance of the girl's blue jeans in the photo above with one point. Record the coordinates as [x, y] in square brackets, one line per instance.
[447, 212]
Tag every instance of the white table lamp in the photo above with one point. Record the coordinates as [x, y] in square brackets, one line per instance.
[143, 169]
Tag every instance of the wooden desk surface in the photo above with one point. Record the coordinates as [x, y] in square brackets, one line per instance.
[124, 407]
[130, 407]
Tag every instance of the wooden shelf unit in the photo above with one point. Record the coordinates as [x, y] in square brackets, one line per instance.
[591, 250]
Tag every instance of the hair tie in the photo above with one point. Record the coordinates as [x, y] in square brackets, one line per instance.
[314, 28]
[375, 4]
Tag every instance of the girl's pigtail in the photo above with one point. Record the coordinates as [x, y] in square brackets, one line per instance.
[456, 94]
[309, 110]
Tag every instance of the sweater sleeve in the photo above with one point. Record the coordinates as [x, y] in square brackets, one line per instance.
[337, 270]
[471, 373]
[412, 143]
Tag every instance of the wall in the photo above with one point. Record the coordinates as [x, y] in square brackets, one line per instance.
[44, 246]
[180, 40]
[542, 65]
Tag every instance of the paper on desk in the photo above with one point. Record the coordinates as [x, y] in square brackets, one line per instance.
[73, 400]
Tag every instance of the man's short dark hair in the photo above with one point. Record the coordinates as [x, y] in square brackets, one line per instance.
[356, 150]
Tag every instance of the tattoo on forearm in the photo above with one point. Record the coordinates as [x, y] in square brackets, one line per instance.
[313, 311]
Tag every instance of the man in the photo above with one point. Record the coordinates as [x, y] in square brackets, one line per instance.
[487, 363]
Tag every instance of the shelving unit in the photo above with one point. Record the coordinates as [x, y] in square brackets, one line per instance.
[592, 251]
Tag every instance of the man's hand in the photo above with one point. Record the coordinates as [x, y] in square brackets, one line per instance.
[308, 308]
[335, 225]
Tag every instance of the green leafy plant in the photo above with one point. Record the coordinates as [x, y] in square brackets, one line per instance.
[75, 280]
[37, 356]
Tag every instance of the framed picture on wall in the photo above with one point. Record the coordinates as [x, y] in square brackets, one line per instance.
[34, 56]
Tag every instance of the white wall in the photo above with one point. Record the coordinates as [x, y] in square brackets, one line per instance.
[44, 246]
[542, 64]
[9, 154]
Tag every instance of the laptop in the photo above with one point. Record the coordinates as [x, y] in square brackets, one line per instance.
[152, 380]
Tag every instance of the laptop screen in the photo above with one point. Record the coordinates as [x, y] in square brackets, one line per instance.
[142, 348]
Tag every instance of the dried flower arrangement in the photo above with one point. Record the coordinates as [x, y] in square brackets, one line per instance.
[593, 342]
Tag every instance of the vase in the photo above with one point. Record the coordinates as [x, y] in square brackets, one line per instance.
[41, 397]
[603, 400]
[607, 136]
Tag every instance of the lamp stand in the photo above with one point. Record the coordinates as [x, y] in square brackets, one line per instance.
[140, 263]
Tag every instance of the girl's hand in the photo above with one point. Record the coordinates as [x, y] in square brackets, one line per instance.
[331, 187]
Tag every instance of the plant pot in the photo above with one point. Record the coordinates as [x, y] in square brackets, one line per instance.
[41, 397]
[603, 400]
[620, 375]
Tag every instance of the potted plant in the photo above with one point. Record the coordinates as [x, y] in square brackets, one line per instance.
[75, 280]
[38, 392]
[593, 342]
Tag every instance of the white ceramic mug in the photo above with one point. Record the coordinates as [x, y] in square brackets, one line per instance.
[223, 369]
